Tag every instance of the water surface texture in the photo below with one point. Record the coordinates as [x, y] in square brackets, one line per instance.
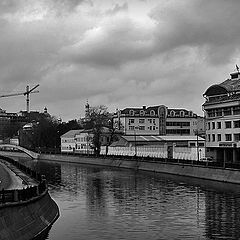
[105, 203]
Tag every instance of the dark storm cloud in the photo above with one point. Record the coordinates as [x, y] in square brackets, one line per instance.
[212, 26]
[120, 53]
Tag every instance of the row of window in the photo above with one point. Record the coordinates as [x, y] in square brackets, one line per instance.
[227, 137]
[227, 124]
[141, 120]
[142, 113]
[142, 128]
[178, 131]
[153, 113]
[224, 111]
[180, 124]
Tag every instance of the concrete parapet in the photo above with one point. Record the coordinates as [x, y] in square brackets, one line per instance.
[25, 221]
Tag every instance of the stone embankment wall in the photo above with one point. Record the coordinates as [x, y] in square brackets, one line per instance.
[27, 220]
[196, 171]
[204, 172]
[26, 212]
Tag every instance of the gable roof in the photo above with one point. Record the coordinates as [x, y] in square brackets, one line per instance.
[71, 133]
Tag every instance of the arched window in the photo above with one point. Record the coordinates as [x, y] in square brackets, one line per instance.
[172, 113]
[190, 114]
[131, 112]
[182, 113]
[152, 113]
[142, 112]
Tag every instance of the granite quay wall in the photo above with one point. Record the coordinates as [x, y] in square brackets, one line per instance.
[27, 220]
[224, 172]
[26, 213]
[205, 170]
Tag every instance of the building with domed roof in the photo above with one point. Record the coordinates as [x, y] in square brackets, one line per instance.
[222, 113]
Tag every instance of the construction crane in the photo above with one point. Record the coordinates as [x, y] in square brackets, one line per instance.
[26, 93]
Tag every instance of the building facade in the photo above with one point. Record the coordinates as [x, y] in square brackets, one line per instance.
[222, 113]
[158, 120]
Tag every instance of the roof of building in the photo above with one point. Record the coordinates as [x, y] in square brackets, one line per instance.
[229, 85]
[140, 138]
[71, 133]
[147, 110]
[182, 138]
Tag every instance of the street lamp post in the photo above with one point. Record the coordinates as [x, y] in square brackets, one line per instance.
[135, 140]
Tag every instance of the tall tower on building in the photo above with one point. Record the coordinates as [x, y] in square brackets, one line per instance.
[87, 107]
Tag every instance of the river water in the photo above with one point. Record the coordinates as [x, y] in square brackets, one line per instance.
[98, 203]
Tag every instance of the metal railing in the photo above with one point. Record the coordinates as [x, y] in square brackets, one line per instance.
[25, 194]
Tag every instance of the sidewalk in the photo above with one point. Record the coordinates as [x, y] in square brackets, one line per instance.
[13, 178]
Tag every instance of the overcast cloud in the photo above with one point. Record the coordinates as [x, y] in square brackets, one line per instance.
[117, 53]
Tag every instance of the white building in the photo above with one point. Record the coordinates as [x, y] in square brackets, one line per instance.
[83, 142]
[68, 142]
[158, 120]
[222, 112]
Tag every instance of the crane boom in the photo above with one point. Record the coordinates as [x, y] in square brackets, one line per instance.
[16, 94]
[26, 93]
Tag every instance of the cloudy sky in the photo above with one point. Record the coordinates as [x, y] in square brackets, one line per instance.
[117, 53]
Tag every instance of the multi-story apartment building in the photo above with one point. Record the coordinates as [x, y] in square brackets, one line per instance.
[222, 112]
[158, 120]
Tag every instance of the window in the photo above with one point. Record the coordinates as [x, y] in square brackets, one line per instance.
[211, 113]
[131, 127]
[153, 121]
[219, 137]
[150, 127]
[141, 120]
[213, 137]
[213, 125]
[237, 137]
[152, 112]
[219, 112]
[153, 127]
[131, 112]
[227, 111]
[141, 128]
[142, 113]
[172, 113]
[181, 113]
[236, 110]
[150, 120]
[228, 137]
[209, 126]
[228, 124]
[236, 124]
[131, 120]
[219, 125]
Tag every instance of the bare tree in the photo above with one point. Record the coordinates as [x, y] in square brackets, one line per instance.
[98, 118]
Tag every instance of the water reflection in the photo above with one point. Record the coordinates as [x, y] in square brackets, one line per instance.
[104, 203]
[222, 215]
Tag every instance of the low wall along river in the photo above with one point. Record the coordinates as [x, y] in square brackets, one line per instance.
[195, 169]
[29, 212]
